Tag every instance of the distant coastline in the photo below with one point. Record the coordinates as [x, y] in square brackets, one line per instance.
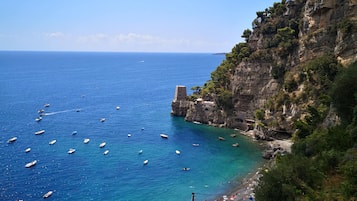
[220, 53]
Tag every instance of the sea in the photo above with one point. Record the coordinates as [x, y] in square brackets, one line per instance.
[124, 100]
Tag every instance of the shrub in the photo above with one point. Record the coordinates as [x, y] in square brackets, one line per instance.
[259, 114]
[224, 100]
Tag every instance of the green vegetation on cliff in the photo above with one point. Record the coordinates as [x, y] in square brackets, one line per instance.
[322, 165]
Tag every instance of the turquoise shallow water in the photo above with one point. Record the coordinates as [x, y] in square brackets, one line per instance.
[143, 85]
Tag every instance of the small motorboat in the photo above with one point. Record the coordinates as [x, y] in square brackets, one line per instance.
[129, 135]
[235, 145]
[27, 150]
[52, 142]
[48, 194]
[30, 164]
[195, 145]
[86, 140]
[40, 132]
[233, 135]
[197, 122]
[185, 169]
[102, 119]
[102, 144]
[71, 151]
[164, 136]
[12, 140]
[140, 151]
[106, 152]
[38, 119]
[118, 108]
[221, 138]
[178, 152]
[46, 105]
[74, 133]
[41, 111]
[146, 162]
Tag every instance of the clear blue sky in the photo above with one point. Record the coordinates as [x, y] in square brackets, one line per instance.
[126, 25]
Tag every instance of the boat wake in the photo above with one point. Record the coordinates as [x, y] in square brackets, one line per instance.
[59, 112]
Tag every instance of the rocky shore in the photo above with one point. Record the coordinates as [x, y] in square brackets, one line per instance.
[272, 146]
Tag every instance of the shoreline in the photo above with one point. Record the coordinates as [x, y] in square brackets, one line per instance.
[245, 190]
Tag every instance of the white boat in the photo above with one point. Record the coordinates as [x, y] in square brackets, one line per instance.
[129, 135]
[106, 152]
[46, 105]
[233, 135]
[38, 119]
[74, 133]
[178, 152]
[86, 140]
[40, 132]
[197, 122]
[48, 194]
[195, 145]
[52, 142]
[146, 162]
[102, 119]
[12, 140]
[30, 164]
[221, 138]
[27, 150]
[71, 151]
[185, 169]
[41, 111]
[118, 108]
[235, 145]
[102, 144]
[164, 136]
[140, 151]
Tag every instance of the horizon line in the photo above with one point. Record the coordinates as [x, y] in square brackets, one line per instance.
[98, 51]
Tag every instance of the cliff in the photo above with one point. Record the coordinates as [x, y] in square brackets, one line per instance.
[285, 66]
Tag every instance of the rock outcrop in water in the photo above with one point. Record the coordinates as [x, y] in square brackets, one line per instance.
[274, 72]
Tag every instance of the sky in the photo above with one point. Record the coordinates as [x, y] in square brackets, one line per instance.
[126, 25]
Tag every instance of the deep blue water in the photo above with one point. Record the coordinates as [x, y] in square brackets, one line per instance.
[94, 84]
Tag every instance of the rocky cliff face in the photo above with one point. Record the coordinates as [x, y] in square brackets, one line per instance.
[179, 108]
[327, 27]
[285, 37]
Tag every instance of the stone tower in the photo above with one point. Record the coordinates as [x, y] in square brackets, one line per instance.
[180, 93]
[179, 104]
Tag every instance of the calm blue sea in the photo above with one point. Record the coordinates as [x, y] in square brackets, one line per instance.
[82, 88]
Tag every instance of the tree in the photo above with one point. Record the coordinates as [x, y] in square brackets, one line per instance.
[246, 34]
[196, 89]
[344, 93]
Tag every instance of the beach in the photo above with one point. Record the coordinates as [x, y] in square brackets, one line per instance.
[245, 190]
